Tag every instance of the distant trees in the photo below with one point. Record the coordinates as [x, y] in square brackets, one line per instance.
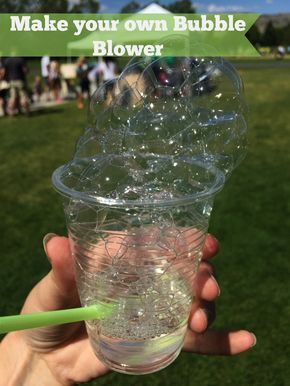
[89, 6]
[271, 37]
[48, 6]
[181, 6]
[254, 35]
[283, 35]
[131, 7]
[14, 6]
[34, 6]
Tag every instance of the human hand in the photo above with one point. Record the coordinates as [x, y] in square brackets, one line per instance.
[63, 355]
[200, 339]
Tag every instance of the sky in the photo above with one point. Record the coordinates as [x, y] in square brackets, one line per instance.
[212, 6]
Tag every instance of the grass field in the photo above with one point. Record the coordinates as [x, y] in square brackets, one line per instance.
[251, 219]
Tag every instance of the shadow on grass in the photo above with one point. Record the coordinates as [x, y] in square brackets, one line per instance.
[44, 111]
[35, 113]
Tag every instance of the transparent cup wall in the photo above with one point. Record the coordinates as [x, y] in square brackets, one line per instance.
[144, 261]
[161, 141]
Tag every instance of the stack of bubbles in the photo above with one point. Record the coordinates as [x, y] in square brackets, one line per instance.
[163, 130]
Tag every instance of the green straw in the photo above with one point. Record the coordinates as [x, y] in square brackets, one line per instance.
[50, 318]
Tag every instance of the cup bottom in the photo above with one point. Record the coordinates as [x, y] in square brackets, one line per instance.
[137, 356]
[142, 370]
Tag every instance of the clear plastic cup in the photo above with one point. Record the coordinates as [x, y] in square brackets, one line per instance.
[139, 254]
[162, 138]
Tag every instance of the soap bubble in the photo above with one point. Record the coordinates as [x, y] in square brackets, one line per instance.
[165, 128]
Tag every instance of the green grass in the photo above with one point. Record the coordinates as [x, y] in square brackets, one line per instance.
[250, 218]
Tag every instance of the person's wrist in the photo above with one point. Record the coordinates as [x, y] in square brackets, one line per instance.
[20, 365]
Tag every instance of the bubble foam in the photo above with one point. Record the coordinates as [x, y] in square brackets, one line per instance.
[164, 129]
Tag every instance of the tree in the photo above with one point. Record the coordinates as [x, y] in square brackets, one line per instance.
[47, 6]
[131, 7]
[90, 6]
[270, 38]
[181, 6]
[13, 6]
[286, 35]
[254, 35]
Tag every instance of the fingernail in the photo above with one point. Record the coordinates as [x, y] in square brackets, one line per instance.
[218, 287]
[46, 239]
[255, 339]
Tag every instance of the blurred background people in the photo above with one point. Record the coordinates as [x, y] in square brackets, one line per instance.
[55, 80]
[107, 69]
[37, 89]
[15, 71]
[4, 87]
[83, 88]
[45, 67]
[281, 52]
[104, 70]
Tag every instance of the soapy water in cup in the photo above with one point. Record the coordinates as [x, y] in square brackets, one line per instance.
[150, 287]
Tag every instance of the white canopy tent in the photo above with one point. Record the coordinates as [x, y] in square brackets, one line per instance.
[154, 9]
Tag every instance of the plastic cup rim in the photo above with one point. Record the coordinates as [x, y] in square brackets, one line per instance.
[91, 199]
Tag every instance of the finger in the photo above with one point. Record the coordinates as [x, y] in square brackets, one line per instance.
[219, 342]
[211, 247]
[59, 254]
[206, 265]
[57, 289]
[202, 316]
[206, 286]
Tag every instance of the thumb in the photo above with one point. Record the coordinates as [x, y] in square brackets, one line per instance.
[57, 289]
[59, 254]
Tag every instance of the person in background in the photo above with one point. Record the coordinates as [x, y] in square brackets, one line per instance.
[15, 70]
[93, 77]
[102, 72]
[37, 88]
[55, 80]
[83, 91]
[281, 52]
[107, 69]
[45, 67]
[3, 89]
